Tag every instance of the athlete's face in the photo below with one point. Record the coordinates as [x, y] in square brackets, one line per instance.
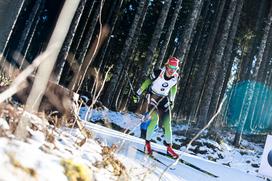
[170, 70]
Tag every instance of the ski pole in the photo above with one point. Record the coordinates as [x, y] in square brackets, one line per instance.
[194, 138]
[131, 131]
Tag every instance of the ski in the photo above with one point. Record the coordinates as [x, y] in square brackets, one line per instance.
[152, 157]
[187, 163]
[180, 160]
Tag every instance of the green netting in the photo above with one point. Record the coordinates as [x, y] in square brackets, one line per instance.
[255, 113]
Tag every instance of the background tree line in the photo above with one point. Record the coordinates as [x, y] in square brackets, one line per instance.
[221, 44]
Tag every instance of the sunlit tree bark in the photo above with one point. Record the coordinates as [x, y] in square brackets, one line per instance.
[199, 79]
[198, 42]
[227, 63]
[214, 68]
[187, 36]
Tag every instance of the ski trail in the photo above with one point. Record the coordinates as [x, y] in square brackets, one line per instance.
[182, 172]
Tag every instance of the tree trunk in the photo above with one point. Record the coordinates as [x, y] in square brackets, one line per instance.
[27, 29]
[264, 68]
[125, 80]
[45, 69]
[185, 105]
[156, 37]
[187, 35]
[79, 35]
[168, 34]
[82, 58]
[84, 20]
[54, 46]
[248, 61]
[262, 45]
[252, 97]
[92, 52]
[213, 72]
[29, 42]
[130, 56]
[205, 56]
[189, 67]
[265, 75]
[227, 63]
[132, 81]
[89, 32]
[58, 69]
[117, 10]
[9, 12]
[123, 56]
[111, 22]
[260, 61]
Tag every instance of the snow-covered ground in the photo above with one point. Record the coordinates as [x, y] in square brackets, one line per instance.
[65, 154]
[246, 160]
[181, 171]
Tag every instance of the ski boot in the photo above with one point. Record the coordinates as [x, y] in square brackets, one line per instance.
[148, 149]
[171, 152]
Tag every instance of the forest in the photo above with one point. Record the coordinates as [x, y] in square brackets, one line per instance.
[111, 46]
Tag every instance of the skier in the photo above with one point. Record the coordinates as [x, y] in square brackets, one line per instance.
[160, 90]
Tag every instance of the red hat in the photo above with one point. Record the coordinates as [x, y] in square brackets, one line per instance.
[173, 61]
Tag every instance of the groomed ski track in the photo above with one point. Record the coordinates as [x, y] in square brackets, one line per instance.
[181, 172]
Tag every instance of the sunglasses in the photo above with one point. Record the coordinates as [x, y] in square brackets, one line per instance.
[172, 67]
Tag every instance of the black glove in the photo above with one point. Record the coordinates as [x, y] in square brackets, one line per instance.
[169, 105]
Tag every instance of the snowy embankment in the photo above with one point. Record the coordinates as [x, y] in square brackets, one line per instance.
[51, 153]
[60, 154]
[64, 154]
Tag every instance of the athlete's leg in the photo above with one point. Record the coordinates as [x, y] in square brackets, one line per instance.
[153, 123]
[166, 122]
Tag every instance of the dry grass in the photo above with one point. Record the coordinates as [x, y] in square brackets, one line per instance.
[111, 163]
[18, 165]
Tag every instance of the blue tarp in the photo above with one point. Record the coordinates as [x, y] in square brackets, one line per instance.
[256, 113]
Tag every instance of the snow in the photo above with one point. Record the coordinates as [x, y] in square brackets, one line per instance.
[232, 156]
[41, 158]
[222, 171]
